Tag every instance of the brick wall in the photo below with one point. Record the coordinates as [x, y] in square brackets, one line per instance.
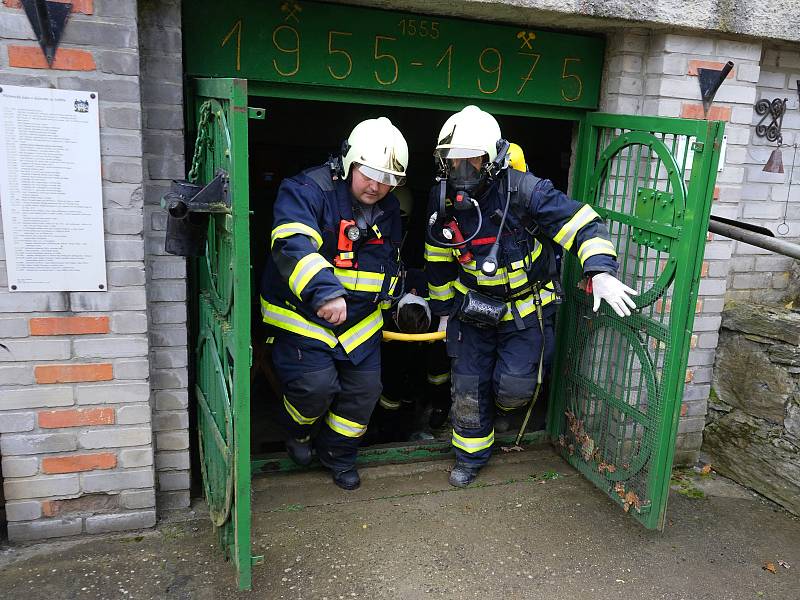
[757, 274]
[75, 419]
[656, 74]
[162, 105]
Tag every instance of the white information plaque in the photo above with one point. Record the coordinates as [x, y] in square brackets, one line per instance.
[50, 190]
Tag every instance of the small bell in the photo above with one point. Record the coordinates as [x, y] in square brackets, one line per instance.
[775, 162]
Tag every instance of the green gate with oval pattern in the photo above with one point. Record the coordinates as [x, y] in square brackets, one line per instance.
[615, 411]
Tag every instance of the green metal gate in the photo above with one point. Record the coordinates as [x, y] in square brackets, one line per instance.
[615, 412]
[222, 287]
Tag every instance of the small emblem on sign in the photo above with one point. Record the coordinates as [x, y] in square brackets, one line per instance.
[82, 106]
[527, 37]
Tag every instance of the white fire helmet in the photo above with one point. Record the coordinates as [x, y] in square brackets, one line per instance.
[468, 133]
[379, 150]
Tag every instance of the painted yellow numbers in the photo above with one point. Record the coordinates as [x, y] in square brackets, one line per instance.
[344, 73]
[380, 55]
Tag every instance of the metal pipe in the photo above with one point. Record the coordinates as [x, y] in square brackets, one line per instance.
[755, 239]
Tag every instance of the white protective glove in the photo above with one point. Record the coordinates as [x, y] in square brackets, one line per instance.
[618, 295]
[442, 323]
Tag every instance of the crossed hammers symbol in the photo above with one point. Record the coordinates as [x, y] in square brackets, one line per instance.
[527, 37]
[291, 8]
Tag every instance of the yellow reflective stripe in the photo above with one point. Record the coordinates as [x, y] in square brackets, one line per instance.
[441, 292]
[295, 414]
[594, 246]
[472, 445]
[361, 331]
[290, 229]
[344, 426]
[439, 379]
[566, 235]
[359, 281]
[385, 305]
[436, 254]
[347, 255]
[503, 408]
[517, 278]
[305, 269]
[537, 250]
[393, 284]
[377, 231]
[290, 321]
[389, 404]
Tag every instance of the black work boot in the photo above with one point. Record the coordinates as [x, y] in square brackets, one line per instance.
[347, 480]
[462, 475]
[299, 450]
[437, 418]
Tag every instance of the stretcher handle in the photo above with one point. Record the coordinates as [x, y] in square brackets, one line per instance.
[394, 336]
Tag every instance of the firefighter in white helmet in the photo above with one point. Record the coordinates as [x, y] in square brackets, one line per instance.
[492, 278]
[332, 268]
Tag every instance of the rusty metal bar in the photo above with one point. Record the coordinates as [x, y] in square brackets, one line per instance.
[754, 239]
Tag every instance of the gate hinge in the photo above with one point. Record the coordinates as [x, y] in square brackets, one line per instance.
[698, 147]
[256, 113]
[257, 560]
[250, 352]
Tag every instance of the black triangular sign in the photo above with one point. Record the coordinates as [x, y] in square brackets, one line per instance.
[48, 20]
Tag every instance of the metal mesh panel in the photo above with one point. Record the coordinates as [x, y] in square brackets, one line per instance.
[616, 372]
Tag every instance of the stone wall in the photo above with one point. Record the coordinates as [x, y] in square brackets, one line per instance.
[760, 275]
[753, 432]
[75, 425]
[163, 112]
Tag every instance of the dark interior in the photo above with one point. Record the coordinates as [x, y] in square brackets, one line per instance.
[297, 134]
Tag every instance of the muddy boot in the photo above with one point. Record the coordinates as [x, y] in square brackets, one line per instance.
[347, 480]
[462, 475]
[299, 450]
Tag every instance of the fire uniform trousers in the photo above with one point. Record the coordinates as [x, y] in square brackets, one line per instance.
[499, 365]
[330, 376]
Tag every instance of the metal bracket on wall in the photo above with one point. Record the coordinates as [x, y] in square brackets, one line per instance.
[48, 20]
[710, 80]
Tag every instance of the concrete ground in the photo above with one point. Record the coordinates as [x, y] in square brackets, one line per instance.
[532, 528]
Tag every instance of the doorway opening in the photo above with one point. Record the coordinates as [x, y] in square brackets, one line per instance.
[298, 134]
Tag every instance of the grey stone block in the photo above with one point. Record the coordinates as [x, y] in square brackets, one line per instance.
[135, 369]
[115, 8]
[168, 268]
[36, 397]
[17, 350]
[32, 302]
[40, 530]
[170, 357]
[166, 168]
[117, 89]
[164, 118]
[126, 275]
[172, 399]
[172, 461]
[170, 420]
[167, 379]
[117, 63]
[114, 393]
[163, 290]
[112, 481]
[172, 440]
[168, 143]
[114, 437]
[26, 510]
[121, 522]
[117, 144]
[123, 222]
[11, 422]
[16, 27]
[124, 249]
[169, 481]
[168, 335]
[121, 170]
[168, 313]
[135, 457]
[123, 195]
[120, 117]
[133, 414]
[129, 299]
[100, 34]
[162, 39]
[110, 347]
[45, 486]
[14, 327]
[16, 375]
[129, 322]
[20, 466]
[137, 499]
[174, 500]
[12, 445]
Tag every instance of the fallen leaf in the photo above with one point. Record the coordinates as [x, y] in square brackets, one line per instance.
[511, 448]
[784, 564]
[770, 567]
[706, 469]
[620, 489]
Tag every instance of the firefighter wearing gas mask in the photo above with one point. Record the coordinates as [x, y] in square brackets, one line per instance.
[332, 269]
[492, 276]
